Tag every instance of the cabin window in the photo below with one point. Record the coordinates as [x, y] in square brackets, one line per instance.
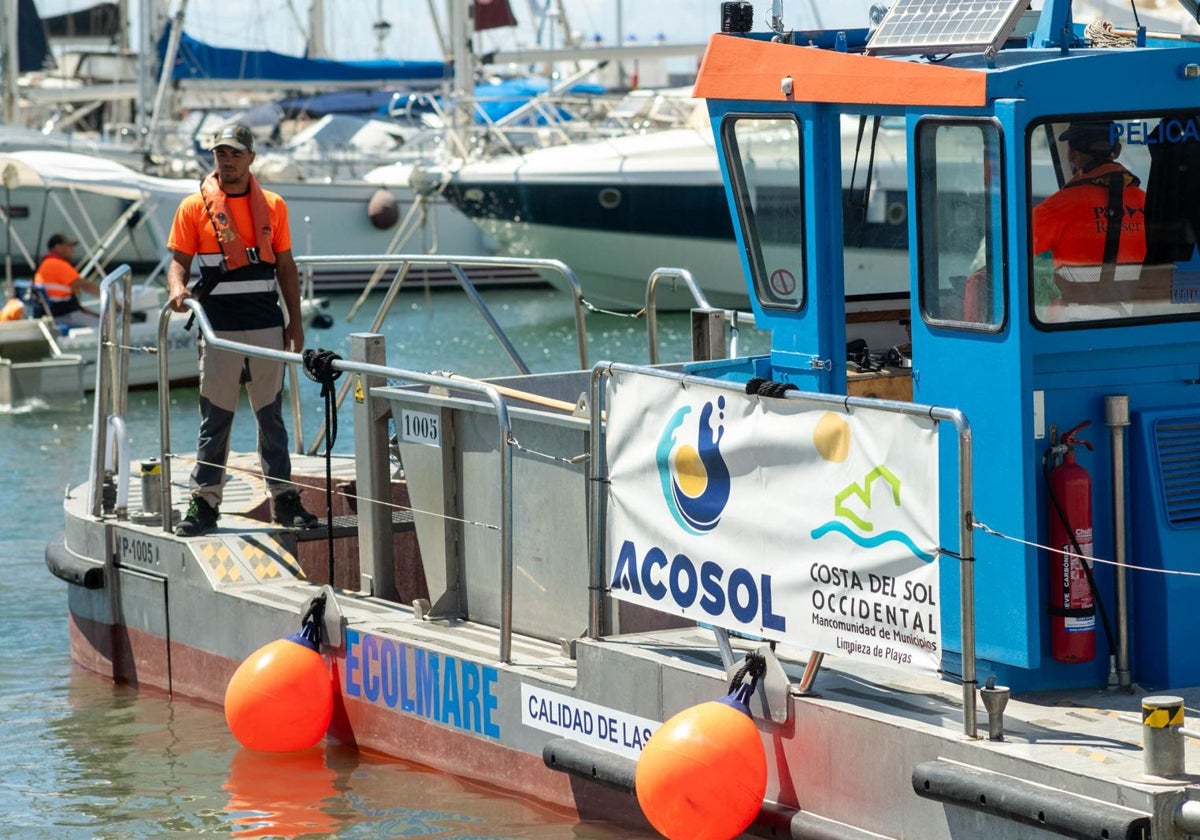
[765, 165]
[960, 224]
[1114, 220]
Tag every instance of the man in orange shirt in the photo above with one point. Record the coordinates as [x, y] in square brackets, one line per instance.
[60, 284]
[1094, 227]
[239, 234]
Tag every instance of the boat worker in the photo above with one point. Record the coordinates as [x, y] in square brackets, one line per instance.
[60, 284]
[1093, 228]
[238, 232]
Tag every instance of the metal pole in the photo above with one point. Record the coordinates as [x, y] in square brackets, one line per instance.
[1116, 417]
[372, 471]
[164, 76]
[597, 522]
[966, 502]
[145, 53]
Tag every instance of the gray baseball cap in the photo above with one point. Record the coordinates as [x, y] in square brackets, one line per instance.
[236, 136]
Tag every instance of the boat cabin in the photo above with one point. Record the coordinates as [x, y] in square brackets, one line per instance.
[1050, 216]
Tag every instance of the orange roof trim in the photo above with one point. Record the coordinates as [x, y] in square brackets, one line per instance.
[744, 68]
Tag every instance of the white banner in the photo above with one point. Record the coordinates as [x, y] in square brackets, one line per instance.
[773, 518]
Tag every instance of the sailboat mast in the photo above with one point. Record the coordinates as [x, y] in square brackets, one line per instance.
[462, 31]
[145, 66]
[8, 17]
[316, 46]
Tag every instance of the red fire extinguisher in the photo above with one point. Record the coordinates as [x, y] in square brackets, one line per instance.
[1072, 603]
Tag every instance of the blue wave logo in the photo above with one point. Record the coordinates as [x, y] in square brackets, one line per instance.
[694, 476]
[862, 493]
[875, 541]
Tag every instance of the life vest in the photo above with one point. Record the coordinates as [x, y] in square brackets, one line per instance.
[236, 240]
[232, 247]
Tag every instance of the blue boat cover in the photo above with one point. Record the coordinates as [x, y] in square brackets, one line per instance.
[33, 50]
[199, 60]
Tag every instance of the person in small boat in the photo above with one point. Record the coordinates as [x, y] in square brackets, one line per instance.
[1093, 228]
[60, 283]
[238, 232]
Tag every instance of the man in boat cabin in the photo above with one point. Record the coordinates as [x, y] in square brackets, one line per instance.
[60, 284]
[1094, 229]
[238, 233]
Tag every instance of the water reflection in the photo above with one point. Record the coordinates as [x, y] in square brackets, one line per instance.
[281, 793]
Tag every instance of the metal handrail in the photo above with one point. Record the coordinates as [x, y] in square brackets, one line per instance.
[481, 389]
[680, 274]
[456, 264]
[112, 376]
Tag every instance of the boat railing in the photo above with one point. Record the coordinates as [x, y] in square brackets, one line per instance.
[373, 464]
[404, 263]
[112, 377]
[709, 337]
[373, 467]
[710, 342]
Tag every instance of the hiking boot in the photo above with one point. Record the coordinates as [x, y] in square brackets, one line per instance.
[290, 513]
[200, 519]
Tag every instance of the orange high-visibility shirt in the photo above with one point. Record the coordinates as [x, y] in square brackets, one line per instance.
[57, 278]
[1073, 223]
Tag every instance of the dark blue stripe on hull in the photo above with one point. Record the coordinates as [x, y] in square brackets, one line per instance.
[698, 211]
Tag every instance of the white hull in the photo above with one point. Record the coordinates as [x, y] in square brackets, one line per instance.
[183, 355]
[33, 370]
[617, 210]
[616, 276]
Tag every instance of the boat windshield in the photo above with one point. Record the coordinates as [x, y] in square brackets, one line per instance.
[1115, 219]
[960, 202]
[765, 163]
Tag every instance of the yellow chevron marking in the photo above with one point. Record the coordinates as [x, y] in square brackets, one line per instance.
[1162, 717]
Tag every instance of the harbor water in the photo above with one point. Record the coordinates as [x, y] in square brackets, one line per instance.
[84, 758]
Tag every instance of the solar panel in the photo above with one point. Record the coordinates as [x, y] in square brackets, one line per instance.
[944, 26]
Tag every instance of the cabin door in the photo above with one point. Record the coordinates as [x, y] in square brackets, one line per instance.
[775, 186]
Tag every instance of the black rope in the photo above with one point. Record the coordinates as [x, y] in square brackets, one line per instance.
[312, 625]
[768, 388]
[755, 666]
[318, 366]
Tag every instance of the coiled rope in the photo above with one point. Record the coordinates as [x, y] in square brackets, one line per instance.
[312, 624]
[318, 366]
[768, 387]
[1099, 33]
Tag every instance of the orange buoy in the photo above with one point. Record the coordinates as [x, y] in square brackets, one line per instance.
[281, 697]
[703, 773]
